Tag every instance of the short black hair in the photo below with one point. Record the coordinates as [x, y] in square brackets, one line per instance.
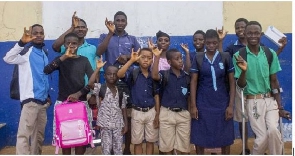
[170, 52]
[36, 25]
[162, 34]
[241, 20]
[71, 35]
[200, 32]
[211, 33]
[83, 21]
[120, 13]
[107, 68]
[145, 49]
[253, 23]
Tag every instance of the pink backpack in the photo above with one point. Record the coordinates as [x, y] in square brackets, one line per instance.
[72, 126]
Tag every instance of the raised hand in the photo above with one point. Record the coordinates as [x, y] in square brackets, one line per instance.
[184, 48]
[27, 36]
[154, 49]
[100, 63]
[221, 33]
[150, 44]
[283, 42]
[241, 62]
[135, 55]
[75, 20]
[110, 25]
[70, 51]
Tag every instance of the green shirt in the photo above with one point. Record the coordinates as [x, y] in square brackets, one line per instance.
[258, 71]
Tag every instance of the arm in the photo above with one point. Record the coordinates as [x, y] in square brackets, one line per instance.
[157, 108]
[12, 56]
[125, 128]
[221, 34]
[283, 41]
[134, 58]
[275, 87]
[95, 75]
[193, 94]
[187, 64]
[232, 85]
[101, 48]
[48, 69]
[60, 40]
[155, 68]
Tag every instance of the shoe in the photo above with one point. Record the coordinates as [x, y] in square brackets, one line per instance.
[247, 152]
[127, 153]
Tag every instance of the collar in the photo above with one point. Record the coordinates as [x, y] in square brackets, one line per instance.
[238, 43]
[38, 46]
[182, 73]
[124, 34]
[85, 44]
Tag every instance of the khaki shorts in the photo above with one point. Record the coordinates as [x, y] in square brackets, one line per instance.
[238, 107]
[142, 126]
[175, 128]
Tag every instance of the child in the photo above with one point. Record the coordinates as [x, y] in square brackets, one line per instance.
[174, 116]
[112, 118]
[72, 69]
[145, 101]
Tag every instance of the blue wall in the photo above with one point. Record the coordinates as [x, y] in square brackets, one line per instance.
[10, 109]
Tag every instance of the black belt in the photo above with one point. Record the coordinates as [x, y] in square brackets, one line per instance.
[145, 109]
[175, 109]
[33, 100]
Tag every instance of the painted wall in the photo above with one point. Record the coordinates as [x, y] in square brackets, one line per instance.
[179, 19]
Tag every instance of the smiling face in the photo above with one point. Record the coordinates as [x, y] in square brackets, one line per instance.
[120, 23]
[163, 43]
[198, 40]
[81, 29]
[240, 28]
[253, 34]
[38, 32]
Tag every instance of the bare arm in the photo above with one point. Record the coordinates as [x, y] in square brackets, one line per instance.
[101, 48]
[187, 64]
[193, 94]
[283, 41]
[134, 58]
[157, 108]
[60, 40]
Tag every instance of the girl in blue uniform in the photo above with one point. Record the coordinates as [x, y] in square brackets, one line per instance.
[212, 96]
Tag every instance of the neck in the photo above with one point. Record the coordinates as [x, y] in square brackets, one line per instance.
[110, 85]
[120, 33]
[175, 71]
[81, 41]
[163, 54]
[254, 48]
[200, 50]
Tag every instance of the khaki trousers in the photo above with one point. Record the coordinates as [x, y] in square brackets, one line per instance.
[31, 129]
[264, 120]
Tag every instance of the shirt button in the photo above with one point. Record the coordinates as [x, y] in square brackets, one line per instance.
[120, 45]
[145, 90]
[144, 101]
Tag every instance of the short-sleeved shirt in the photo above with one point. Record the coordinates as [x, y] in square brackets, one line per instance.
[233, 48]
[258, 71]
[141, 89]
[118, 45]
[176, 91]
[109, 112]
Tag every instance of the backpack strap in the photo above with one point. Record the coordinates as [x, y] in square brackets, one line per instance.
[166, 77]
[102, 91]
[199, 59]
[135, 73]
[268, 54]
[242, 53]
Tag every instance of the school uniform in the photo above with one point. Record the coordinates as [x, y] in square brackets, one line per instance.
[262, 108]
[211, 130]
[174, 115]
[143, 107]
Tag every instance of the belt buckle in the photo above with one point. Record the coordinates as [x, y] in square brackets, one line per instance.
[265, 95]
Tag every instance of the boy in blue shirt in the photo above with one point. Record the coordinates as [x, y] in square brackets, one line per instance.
[174, 118]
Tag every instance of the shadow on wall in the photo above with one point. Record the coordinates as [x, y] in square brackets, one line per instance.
[10, 109]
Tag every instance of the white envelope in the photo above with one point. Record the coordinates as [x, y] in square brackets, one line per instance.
[274, 35]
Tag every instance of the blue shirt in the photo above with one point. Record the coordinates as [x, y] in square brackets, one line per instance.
[233, 48]
[176, 91]
[118, 45]
[141, 89]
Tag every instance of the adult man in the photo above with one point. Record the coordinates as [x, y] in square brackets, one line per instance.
[33, 88]
[262, 91]
[117, 46]
[79, 27]
[240, 25]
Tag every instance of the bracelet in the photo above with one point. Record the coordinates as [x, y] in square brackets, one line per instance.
[275, 91]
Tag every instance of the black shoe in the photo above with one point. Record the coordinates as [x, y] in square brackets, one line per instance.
[127, 153]
[247, 152]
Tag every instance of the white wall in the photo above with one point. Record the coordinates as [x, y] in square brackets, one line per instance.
[144, 18]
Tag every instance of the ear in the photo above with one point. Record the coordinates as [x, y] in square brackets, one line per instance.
[169, 62]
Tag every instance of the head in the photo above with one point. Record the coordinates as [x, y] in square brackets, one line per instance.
[71, 40]
[163, 40]
[120, 21]
[198, 40]
[38, 32]
[253, 33]
[240, 26]
[81, 29]
[211, 40]
[92, 100]
[110, 75]
[174, 58]
[146, 58]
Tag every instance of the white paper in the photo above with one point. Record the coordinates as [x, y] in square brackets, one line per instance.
[274, 35]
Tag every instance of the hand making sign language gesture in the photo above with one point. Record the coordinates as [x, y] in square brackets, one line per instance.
[221, 33]
[110, 25]
[71, 51]
[135, 55]
[75, 20]
[154, 49]
[27, 36]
